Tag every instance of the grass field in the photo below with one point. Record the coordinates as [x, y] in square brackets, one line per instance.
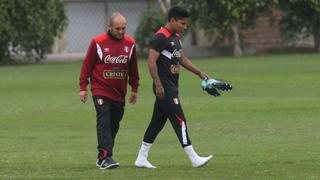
[267, 128]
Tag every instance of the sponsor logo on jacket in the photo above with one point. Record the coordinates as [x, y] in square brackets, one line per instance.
[177, 53]
[175, 68]
[115, 74]
[121, 59]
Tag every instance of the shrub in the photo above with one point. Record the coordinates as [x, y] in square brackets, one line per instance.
[30, 26]
[150, 21]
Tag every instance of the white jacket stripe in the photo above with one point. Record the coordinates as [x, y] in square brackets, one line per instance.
[131, 51]
[99, 51]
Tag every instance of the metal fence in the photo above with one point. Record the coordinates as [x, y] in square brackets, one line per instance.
[87, 18]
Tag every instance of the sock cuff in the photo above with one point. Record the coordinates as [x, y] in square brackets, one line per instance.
[146, 144]
[188, 147]
[190, 152]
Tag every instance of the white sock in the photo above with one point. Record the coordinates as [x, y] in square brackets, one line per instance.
[142, 159]
[195, 159]
[144, 149]
[191, 152]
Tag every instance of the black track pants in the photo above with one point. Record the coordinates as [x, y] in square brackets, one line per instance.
[169, 107]
[109, 115]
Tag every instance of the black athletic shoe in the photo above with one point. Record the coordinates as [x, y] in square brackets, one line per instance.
[108, 163]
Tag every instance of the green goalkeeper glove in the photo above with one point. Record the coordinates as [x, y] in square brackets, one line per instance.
[213, 86]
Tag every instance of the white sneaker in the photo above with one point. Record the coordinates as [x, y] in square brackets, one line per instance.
[143, 163]
[201, 161]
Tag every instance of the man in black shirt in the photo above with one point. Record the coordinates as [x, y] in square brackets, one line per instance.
[165, 57]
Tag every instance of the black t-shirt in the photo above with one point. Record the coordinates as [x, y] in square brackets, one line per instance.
[168, 63]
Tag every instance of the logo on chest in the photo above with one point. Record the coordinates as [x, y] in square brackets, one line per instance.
[121, 59]
[115, 74]
[113, 57]
[175, 54]
[126, 49]
[175, 68]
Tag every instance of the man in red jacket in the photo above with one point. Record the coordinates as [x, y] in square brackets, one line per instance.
[110, 64]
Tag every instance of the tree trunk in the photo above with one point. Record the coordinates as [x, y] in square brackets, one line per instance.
[237, 51]
[194, 34]
[316, 38]
[165, 6]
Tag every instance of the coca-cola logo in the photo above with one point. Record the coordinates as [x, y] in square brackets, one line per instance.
[177, 53]
[122, 59]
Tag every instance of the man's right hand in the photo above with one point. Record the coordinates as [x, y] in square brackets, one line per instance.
[160, 91]
[83, 96]
[203, 75]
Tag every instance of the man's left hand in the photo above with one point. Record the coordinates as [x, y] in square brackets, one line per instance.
[133, 98]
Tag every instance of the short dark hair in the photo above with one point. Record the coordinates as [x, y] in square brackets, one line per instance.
[177, 12]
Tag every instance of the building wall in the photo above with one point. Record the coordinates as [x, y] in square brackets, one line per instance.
[266, 35]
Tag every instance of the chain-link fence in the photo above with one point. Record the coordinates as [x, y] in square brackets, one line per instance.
[88, 18]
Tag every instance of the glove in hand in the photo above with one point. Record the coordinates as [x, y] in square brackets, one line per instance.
[213, 87]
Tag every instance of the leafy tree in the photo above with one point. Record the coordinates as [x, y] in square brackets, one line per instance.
[150, 21]
[30, 26]
[301, 17]
[6, 30]
[225, 17]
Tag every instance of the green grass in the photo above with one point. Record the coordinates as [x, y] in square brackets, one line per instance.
[267, 128]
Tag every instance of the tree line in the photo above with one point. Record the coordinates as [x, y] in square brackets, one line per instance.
[29, 27]
[227, 18]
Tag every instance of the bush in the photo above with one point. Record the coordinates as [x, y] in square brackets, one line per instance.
[150, 21]
[30, 26]
[6, 30]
